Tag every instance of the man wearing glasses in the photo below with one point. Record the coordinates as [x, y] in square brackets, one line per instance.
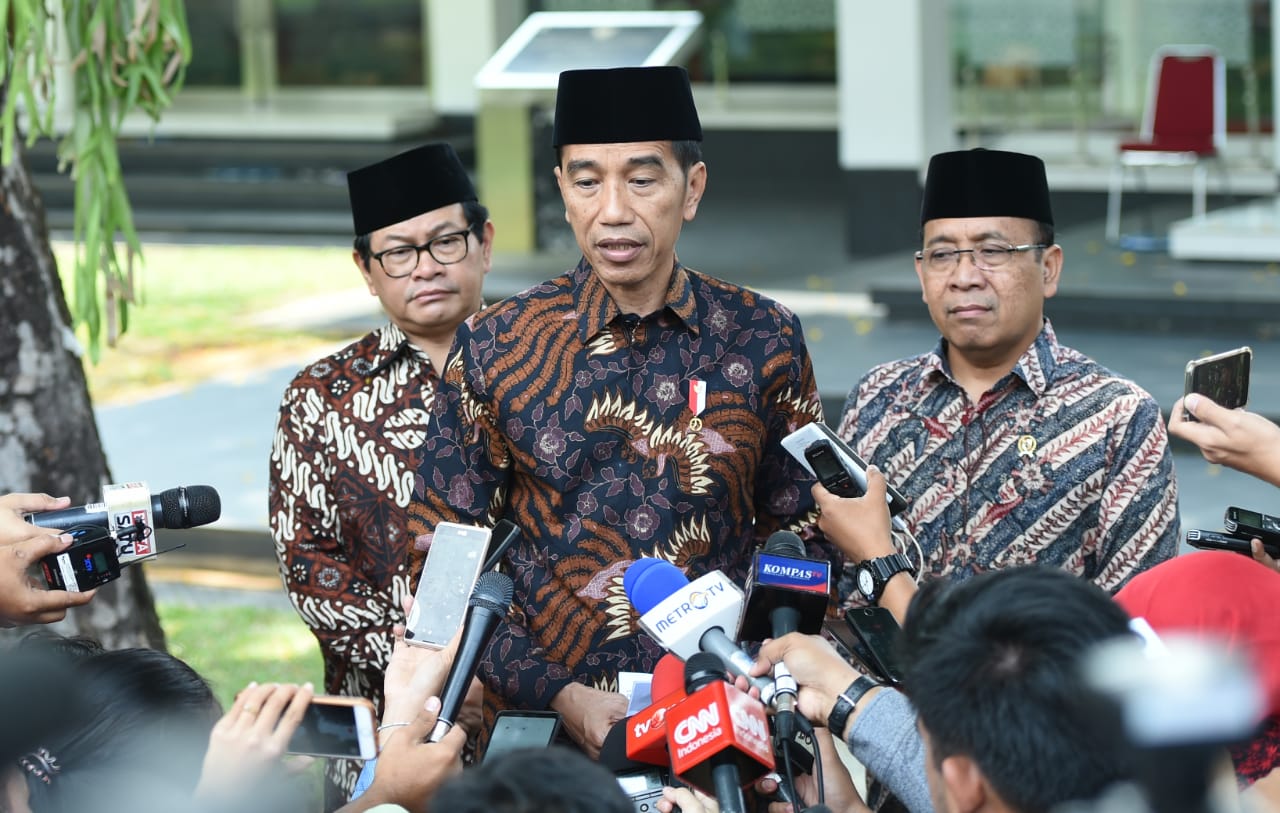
[351, 425]
[1009, 447]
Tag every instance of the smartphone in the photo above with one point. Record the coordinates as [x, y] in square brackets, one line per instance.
[1242, 522]
[448, 577]
[1223, 377]
[1219, 540]
[334, 726]
[799, 442]
[514, 730]
[878, 631]
[847, 644]
[830, 471]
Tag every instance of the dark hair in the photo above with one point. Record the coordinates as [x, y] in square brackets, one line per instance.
[473, 212]
[687, 153]
[531, 781]
[991, 666]
[143, 737]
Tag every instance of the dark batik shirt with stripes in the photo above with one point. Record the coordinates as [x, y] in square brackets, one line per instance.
[577, 422]
[1061, 462]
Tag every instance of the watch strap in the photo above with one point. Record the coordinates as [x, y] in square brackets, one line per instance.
[883, 568]
[846, 701]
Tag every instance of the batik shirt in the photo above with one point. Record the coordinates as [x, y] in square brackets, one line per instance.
[342, 472]
[606, 437]
[1061, 462]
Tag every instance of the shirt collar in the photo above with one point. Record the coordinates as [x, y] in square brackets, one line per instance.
[597, 309]
[386, 345]
[1036, 366]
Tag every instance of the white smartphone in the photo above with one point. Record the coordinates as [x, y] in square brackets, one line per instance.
[448, 577]
[339, 727]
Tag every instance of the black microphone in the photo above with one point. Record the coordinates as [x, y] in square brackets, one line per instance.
[181, 507]
[716, 733]
[489, 603]
[786, 592]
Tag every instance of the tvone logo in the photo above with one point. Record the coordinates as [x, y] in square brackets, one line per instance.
[695, 725]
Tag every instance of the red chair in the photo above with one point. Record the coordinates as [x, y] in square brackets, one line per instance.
[1184, 123]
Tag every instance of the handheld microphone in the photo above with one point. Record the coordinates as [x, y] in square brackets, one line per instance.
[786, 592]
[718, 736]
[689, 617]
[182, 507]
[489, 603]
[645, 732]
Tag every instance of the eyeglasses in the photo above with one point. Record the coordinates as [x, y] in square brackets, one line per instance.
[446, 249]
[987, 257]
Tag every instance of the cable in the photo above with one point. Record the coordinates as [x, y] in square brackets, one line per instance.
[806, 728]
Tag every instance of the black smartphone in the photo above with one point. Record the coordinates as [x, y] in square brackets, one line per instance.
[517, 729]
[1223, 377]
[830, 471]
[1222, 540]
[1248, 524]
[847, 644]
[878, 631]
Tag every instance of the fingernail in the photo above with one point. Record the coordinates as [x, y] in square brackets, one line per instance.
[253, 684]
[432, 704]
[308, 686]
[1191, 402]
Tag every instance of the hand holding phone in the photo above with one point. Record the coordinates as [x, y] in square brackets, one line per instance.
[246, 743]
[339, 727]
[1223, 378]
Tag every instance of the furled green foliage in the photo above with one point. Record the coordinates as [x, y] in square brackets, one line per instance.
[118, 56]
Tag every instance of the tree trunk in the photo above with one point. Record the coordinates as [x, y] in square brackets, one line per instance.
[48, 435]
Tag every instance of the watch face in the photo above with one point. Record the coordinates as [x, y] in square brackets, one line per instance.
[866, 581]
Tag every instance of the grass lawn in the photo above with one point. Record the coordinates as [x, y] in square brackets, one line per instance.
[196, 306]
[231, 646]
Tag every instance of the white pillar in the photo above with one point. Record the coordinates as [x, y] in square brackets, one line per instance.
[461, 36]
[894, 84]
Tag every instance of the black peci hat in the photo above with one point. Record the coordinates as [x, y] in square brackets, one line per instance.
[619, 105]
[406, 185]
[986, 183]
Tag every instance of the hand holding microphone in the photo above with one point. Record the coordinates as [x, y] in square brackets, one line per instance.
[718, 737]
[689, 617]
[488, 606]
[786, 592]
[820, 671]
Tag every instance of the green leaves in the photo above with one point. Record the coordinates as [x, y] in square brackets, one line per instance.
[123, 56]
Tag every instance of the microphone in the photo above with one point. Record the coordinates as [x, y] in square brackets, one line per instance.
[718, 736]
[689, 617]
[645, 732]
[786, 592]
[490, 600]
[182, 507]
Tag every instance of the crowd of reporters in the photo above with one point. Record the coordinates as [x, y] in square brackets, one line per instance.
[994, 710]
